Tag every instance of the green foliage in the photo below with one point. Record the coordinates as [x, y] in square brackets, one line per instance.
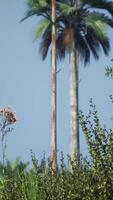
[41, 28]
[65, 8]
[89, 179]
[98, 22]
[109, 72]
[75, 23]
[100, 145]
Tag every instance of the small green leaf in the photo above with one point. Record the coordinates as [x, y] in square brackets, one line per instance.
[109, 72]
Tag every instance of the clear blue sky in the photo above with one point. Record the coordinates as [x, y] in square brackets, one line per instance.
[25, 86]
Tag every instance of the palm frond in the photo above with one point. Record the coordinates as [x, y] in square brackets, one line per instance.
[105, 45]
[95, 22]
[106, 5]
[45, 43]
[98, 23]
[96, 41]
[83, 48]
[101, 18]
[65, 8]
[29, 13]
[61, 48]
[93, 43]
[37, 7]
[42, 27]
[38, 3]
[100, 4]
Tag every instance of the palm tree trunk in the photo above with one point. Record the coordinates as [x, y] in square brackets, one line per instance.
[54, 91]
[74, 122]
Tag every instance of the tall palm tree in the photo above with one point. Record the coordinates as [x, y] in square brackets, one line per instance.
[80, 32]
[42, 8]
[54, 90]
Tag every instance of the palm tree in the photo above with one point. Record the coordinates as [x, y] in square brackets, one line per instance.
[54, 90]
[42, 8]
[83, 33]
[80, 32]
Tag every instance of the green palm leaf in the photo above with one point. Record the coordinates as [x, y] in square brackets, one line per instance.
[95, 21]
[38, 3]
[41, 28]
[65, 8]
[37, 7]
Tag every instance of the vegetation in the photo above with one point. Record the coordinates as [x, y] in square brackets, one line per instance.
[7, 118]
[80, 31]
[91, 179]
[77, 29]
[109, 72]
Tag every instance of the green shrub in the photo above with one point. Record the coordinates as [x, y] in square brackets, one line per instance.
[87, 180]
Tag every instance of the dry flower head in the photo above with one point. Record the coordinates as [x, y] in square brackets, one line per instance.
[9, 114]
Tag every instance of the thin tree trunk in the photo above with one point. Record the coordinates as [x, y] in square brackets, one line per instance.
[54, 91]
[74, 122]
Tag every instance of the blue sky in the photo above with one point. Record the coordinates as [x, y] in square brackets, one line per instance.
[25, 86]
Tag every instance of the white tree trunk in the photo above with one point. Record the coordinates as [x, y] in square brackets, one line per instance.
[53, 91]
[74, 122]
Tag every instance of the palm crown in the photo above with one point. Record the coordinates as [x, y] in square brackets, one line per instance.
[78, 23]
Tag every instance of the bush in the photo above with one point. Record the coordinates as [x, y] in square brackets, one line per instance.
[87, 180]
